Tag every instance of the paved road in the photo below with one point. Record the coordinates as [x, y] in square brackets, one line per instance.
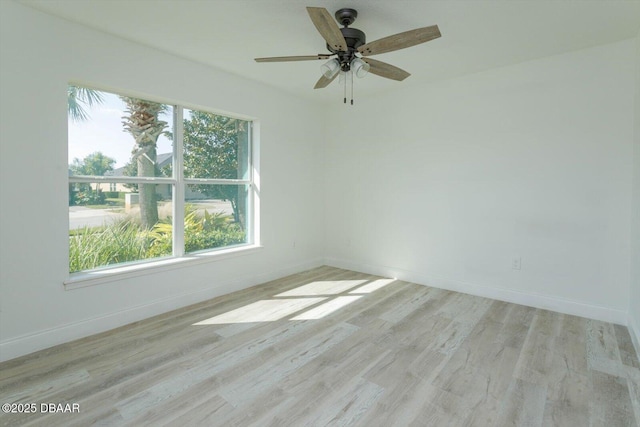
[80, 216]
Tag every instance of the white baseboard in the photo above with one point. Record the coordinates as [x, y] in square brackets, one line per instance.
[547, 302]
[40, 340]
[634, 331]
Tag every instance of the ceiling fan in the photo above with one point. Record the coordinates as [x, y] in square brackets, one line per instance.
[349, 50]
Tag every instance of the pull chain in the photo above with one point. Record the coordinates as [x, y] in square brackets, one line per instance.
[351, 87]
[345, 89]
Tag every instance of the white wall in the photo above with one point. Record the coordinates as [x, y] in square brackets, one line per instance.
[445, 183]
[39, 56]
[634, 305]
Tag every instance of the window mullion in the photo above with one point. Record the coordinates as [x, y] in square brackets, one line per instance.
[216, 181]
[179, 186]
[121, 180]
[254, 175]
[249, 208]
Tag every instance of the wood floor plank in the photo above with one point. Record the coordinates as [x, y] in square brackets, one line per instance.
[633, 384]
[418, 298]
[477, 385]
[391, 408]
[524, 405]
[346, 404]
[537, 354]
[405, 355]
[204, 413]
[403, 293]
[568, 398]
[611, 402]
[570, 346]
[254, 383]
[175, 409]
[316, 383]
[515, 326]
[603, 353]
[465, 309]
[367, 351]
[439, 409]
[625, 346]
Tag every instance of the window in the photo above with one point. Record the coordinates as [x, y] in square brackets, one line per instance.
[150, 180]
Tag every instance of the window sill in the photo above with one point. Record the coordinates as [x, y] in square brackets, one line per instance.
[91, 278]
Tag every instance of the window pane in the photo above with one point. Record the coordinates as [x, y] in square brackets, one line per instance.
[215, 216]
[112, 135]
[106, 227]
[215, 146]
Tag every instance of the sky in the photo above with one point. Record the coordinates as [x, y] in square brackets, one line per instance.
[104, 132]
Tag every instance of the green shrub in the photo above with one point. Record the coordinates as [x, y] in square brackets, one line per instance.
[210, 239]
[120, 242]
[126, 241]
[89, 198]
[201, 232]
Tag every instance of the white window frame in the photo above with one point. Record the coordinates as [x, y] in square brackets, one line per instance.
[179, 183]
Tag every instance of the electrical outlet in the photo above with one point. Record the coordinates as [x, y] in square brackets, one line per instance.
[516, 263]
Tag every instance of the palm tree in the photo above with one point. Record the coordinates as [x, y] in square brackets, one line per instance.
[78, 98]
[143, 124]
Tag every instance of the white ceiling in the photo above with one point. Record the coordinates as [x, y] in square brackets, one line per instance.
[476, 35]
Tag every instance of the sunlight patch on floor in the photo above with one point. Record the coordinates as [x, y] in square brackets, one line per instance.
[327, 292]
[327, 308]
[372, 286]
[327, 287]
[262, 311]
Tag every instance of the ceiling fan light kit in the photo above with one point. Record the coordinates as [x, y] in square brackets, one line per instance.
[359, 67]
[349, 49]
[330, 68]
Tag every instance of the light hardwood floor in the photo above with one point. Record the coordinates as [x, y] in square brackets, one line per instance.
[334, 347]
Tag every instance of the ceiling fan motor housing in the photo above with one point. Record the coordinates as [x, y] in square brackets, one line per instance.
[354, 38]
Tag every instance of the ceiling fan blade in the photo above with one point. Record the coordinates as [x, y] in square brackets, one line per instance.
[327, 27]
[400, 41]
[293, 58]
[383, 69]
[324, 82]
